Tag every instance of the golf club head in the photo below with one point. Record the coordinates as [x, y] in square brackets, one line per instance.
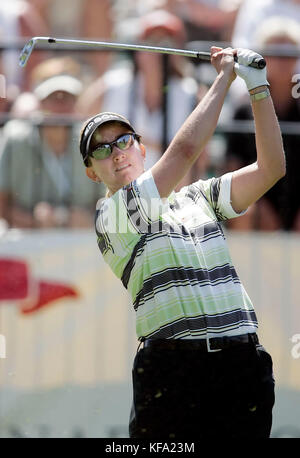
[26, 52]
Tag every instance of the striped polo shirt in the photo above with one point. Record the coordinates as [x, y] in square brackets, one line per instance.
[172, 256]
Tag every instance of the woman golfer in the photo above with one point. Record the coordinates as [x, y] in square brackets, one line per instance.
[201, 371]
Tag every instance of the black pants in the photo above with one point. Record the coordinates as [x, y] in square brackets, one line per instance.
[188, 393]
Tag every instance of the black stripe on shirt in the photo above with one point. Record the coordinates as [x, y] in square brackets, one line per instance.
[179, 276]
[202, 324]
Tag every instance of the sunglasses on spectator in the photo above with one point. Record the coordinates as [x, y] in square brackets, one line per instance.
[104, 150]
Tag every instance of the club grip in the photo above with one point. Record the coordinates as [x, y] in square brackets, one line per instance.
[258, 62]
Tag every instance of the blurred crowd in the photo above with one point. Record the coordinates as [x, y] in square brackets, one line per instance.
[42, 181]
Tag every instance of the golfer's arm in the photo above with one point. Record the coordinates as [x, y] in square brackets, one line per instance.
[250, 183]
[191, 138]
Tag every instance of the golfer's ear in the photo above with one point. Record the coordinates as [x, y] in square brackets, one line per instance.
[91, 174]
[143, 149]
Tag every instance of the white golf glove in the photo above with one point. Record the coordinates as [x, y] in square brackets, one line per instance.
[253, 77]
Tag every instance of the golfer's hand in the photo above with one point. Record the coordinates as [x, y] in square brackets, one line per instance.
[223, 61]
[253, 77]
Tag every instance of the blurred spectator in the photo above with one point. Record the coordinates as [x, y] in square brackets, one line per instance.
[41, 181]
[27, 102]
[90, 19]
[84, 18]
[206, 19]
[143, 83]
[253, 12]
[7, 92]
[53, 67]
[126, 14]
[19, 19]
[280, 207]
[97, 23]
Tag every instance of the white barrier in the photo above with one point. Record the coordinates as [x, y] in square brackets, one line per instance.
[67, 370]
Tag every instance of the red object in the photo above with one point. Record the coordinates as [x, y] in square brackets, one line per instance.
[16, 284]
[48, 292]
[14, 279]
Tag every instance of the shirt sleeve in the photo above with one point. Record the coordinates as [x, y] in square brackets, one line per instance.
[217, 191]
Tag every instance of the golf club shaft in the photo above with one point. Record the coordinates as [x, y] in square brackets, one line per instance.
[200, 55]
[133, 47]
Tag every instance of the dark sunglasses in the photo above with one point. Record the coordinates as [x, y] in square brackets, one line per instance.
[104, 150]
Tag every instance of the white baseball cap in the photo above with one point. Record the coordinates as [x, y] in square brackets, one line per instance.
[64, 83]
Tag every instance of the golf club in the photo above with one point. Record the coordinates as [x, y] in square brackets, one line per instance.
[28, 48]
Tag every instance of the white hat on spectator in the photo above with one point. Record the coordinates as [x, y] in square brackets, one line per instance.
[278, 27]
[64, 83]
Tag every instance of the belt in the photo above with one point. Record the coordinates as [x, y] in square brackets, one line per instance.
[208, 345]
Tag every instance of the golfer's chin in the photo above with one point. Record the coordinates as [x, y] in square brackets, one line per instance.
[125, 177]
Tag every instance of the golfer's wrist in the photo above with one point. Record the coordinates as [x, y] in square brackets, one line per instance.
[226, 76]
